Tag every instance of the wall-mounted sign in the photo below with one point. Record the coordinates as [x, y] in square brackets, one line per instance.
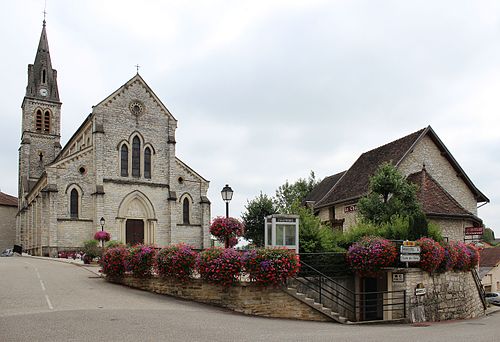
[398, 277]
[410, 249]
[474, 230]
[420, 290]
[350, 208]
[410, 257]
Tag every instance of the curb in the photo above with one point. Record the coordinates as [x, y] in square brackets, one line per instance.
[93, 269]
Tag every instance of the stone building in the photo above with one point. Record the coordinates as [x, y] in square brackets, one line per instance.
[447, 195]
[120, 165]
[8, 212]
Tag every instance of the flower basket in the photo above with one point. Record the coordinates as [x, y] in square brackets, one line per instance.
[369, 255]
[227, 230]
[176, 261]
[102, 235]
[220, 266]
[271, 266]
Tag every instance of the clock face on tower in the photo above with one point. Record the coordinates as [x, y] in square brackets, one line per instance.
[44, 92]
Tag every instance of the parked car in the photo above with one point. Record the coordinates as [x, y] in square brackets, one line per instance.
[7, 253]
[493, 298]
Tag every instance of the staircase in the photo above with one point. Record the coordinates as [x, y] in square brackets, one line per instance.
[335, 316]
[480, 287]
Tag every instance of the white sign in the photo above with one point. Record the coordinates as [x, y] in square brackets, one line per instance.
[398, 277]
[420, 292]
[410, 257]
[410, 250]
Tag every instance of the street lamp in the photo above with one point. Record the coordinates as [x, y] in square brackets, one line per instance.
[102, 221]
[227, 195]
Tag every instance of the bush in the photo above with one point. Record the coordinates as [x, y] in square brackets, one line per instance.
[177, 261]
[113, 261]
[220, 266]
[140, 260]
[474, 255]
[114, 243]
[431, 254]
[370, 254]
[271, 266]
[91, 249]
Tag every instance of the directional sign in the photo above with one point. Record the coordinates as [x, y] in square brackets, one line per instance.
[409, 243]
[410, 257]
[410, 250]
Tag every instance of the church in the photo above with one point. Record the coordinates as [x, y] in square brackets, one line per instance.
[119, 168]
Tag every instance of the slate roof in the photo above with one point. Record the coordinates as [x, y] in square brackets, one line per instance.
[435, 200]
[323, 187]
[8, 200]
[355, 181]
[489, 257]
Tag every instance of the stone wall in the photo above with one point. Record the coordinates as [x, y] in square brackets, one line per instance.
[245, 297]
[7, 226]
[450, 295]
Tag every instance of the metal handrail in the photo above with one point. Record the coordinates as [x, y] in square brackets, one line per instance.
[480, 288]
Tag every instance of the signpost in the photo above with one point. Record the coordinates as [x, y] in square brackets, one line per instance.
[410, 257]
[410, 252]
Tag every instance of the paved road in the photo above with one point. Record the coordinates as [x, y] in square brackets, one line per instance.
[46, 301]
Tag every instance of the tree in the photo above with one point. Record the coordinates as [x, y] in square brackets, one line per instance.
[314, 235]
[489, 236]
[390, 195]
[290, 195]
[253, 217]
[418, 227]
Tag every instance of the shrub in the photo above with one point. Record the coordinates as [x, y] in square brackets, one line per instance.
[271, 266]
[102, 235]
[140, 260]
[91, 249]
[431, 254]
[113, 261]
[450, 258]
[370, 254]
[114, 243]
[220, 266]
[227, 230]
[474, 255]
[176, 261]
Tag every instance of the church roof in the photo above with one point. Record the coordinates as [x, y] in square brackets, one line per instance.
[435, 200]
[8, 200]
[355, 181]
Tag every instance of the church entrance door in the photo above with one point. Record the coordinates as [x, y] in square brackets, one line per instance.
[134, 232]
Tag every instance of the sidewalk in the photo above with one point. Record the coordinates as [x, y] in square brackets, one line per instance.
[96, 269]
[492, 309]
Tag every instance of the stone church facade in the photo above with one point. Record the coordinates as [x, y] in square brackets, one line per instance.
[119, 165]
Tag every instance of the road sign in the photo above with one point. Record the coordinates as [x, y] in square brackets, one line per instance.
[410, 249]
[409, 243]
[474, 230]
[410, 257]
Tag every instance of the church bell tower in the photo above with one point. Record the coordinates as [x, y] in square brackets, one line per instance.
[41, 118]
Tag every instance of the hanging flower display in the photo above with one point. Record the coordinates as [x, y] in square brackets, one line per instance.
[102, 235]
[431, 254]
[370, 254]
[227, 230]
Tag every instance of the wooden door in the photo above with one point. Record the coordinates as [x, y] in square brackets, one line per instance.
[134, 232]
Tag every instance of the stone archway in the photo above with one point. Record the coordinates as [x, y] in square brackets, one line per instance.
[137, 219]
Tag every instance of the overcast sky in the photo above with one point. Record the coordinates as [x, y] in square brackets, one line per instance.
[265, 91]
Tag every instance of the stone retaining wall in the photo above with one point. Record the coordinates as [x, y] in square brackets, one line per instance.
[244, 297]
[450, 295]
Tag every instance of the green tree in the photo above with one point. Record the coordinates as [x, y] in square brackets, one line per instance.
[418, 226]
[289, 196]
[390, 195]
[253, 217]
[488, 235]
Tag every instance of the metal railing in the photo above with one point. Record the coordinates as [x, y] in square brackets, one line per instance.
[480, 287]
[355, 306]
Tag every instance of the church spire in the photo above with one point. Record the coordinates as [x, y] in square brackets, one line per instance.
[42, 79]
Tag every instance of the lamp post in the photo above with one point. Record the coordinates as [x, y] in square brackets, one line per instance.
[227, 195]
[102, 221]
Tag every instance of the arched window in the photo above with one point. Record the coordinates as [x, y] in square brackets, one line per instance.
[147, 162]
[73, 204]
[124, 161]
[46, 122]
[136, 157]
[38, 123]
[185, 211]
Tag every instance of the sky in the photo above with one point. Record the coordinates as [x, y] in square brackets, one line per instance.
[266, 91]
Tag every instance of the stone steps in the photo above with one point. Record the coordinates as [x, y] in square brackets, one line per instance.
[335, 316]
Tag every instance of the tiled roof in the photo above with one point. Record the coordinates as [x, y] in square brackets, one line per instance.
[434, 199]
[355, 181]
[489, 257]
[8, 200]
[323, 187]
